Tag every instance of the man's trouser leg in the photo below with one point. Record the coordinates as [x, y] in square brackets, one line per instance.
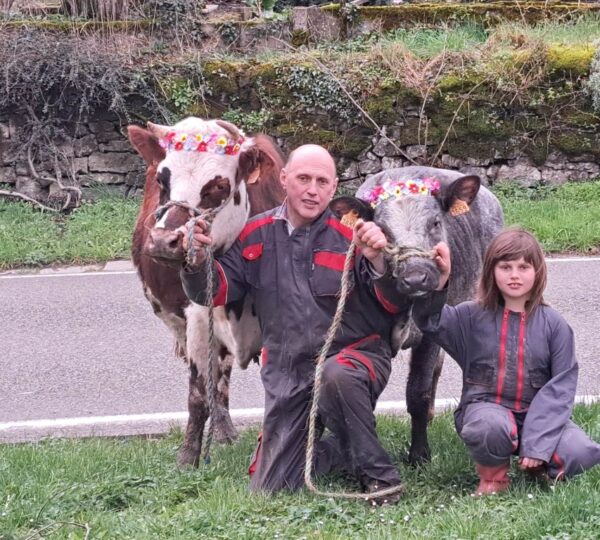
[351, 384]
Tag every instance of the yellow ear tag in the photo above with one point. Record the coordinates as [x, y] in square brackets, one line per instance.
[459, 207]
[349, 219]
[253, 176]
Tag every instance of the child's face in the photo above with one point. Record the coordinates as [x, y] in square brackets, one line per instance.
[515, 279]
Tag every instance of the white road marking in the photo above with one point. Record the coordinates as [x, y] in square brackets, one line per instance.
[178, 417]
[571, 259]
[89, 273]
[69, 274]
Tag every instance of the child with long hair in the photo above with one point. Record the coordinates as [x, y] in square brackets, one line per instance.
[517, 355]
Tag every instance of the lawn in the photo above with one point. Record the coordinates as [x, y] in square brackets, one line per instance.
[130, 488]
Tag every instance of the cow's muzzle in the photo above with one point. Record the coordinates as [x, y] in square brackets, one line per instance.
[166, 246]
[417, 279]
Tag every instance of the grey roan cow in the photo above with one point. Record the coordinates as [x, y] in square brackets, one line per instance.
[421, 221]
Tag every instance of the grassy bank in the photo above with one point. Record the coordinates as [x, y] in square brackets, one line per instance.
[566, 218]
[131, 489]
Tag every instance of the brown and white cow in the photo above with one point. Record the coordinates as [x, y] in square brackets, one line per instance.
[201, 162]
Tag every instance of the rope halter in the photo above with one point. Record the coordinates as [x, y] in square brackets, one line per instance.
[398, 254]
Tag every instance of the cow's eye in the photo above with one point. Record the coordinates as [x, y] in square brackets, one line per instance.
[437, 224]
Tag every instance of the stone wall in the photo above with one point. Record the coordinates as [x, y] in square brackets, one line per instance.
[97, 151]
[100, 153]
[558, 167]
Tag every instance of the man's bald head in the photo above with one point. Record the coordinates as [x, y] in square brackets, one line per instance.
[312, 153]
[309, 179]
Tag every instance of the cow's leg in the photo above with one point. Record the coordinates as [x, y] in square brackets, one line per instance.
[224, 431]
[189, 453]
[420, 397]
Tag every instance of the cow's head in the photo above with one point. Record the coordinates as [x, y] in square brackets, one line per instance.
[202, 164]
[413, 212]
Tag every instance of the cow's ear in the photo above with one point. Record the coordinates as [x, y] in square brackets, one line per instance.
[249, 166]
[259, 160]
[145, 144]
[458, 195]
[342, 206]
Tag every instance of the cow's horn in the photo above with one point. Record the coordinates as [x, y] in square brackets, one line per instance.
[230, 128]
[158, 131]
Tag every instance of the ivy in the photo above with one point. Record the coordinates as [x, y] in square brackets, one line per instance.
[314, 89]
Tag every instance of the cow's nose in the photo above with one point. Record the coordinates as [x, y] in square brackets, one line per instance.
[414, 280]
[165, 244]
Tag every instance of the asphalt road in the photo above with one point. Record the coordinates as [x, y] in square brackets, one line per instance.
[78, 344]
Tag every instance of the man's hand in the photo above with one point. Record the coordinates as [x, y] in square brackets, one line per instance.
[442, 260]
[528, 463]
[370, 238]
[200, 239]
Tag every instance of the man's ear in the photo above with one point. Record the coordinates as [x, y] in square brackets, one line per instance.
[341, 206]
[458, 196]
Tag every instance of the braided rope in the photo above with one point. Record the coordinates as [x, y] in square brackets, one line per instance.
[312, 420]
[210, 383]
[207, 216]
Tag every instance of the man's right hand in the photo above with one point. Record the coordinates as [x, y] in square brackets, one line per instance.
[200, 239]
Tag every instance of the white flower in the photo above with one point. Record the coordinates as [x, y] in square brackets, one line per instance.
[406, 517]
[530, 495]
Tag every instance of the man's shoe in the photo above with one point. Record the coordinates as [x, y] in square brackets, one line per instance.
[393, 497]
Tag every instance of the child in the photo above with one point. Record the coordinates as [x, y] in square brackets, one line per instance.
[519, 368]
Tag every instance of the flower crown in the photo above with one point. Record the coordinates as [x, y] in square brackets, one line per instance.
[201, 142]
[400, 188]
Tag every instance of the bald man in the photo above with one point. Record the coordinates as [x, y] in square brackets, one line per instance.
[290, 261]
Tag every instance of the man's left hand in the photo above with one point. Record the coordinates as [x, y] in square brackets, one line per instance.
[370, 238]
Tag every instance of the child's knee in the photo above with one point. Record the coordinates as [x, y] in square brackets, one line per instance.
[488, 440]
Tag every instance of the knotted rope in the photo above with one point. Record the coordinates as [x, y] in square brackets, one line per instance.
[208, 215]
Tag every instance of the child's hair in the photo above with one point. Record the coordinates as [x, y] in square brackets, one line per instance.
[510, 245]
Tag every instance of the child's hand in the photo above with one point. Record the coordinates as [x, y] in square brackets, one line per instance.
[526, 463]
[442, 260]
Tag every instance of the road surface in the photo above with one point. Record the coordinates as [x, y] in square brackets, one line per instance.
[82, 353]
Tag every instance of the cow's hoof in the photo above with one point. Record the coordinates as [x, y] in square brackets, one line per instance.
[418, 457]
[188, 458]
[224, 431]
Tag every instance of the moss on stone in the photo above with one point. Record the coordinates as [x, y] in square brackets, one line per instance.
[575, 143]
[573, 59]
[485, 13]
[222, 76]
[537, 152]
[300, 37]
[70, 25]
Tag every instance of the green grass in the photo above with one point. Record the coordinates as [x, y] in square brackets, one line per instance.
[130, 488]
[565, 218]
[92, 233]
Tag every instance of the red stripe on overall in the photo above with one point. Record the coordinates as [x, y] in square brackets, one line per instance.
[339, 227]
[521, 361]
[356, 355]
[502, 356]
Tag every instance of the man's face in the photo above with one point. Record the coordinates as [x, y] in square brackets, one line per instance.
[310, 182]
